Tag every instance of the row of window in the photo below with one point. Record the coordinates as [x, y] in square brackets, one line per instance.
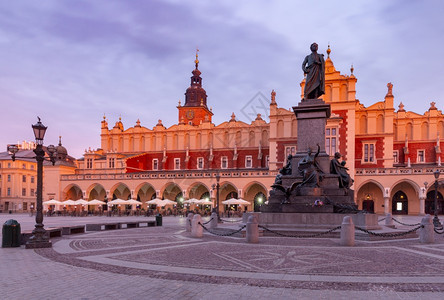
[23, 178]
[24, 194]
[23, 166]
[420, 157]
[201, 163]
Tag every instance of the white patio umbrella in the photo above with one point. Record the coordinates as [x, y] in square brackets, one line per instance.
[168, 202]
[234, 201]
[132, 201]
[96, 202]
[81, 202]
[191, 201]
[156, 201]
[117, 201]
[52, 202]
[204, 202]
[69, 202]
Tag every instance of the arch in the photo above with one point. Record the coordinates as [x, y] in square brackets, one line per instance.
[120, 144]
[153, 142]
[210, 139]
[226, 139]
[255, 193]
[119, 190]
[251, 139]
[238, 138]
[424, 131]
[96, 191]
[430, 202]
[164, 141]
[142, 143]
[251, 184]
[370, 196]
[264, 137]
[198, 141]
[280, 128]
[294, 128]
[144, 192]
[440, 129]
[187, 140]
[343, 91]
[170, 191]
[131, 144]
[328, 93]
[175, 142]
[409, 202]
[226, 188]
[409, 131]
[363, 124]
[110, 144]
[73, 192]
[197, 189]
[380, 123]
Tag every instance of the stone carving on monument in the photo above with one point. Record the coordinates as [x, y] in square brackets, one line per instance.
[308, 178]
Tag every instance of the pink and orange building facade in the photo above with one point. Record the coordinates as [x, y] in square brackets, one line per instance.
[391, 153]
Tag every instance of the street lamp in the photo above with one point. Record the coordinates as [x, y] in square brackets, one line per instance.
[436, 222]
[217, 187]
[39, 238]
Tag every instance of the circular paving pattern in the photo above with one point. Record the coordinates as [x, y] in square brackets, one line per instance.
[170, 253]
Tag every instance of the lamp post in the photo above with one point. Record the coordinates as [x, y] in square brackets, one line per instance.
[39, 238]
[436, 222]
[217, 187]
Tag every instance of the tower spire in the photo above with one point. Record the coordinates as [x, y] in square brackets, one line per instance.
[197, 58]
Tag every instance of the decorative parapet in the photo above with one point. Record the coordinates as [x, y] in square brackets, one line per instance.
[396, 171]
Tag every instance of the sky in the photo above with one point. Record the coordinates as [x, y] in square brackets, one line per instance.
[72, 62]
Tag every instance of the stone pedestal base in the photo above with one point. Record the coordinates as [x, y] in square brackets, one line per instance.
[38, 245]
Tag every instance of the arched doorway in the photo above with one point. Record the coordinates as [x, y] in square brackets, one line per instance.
[370, 197]
[400, 203]
[259, 200]
[430, 203]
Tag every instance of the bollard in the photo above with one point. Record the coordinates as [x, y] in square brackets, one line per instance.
[427, 234]
[213, 222]
[347, 232]
[196, 229]
[252, 230]
[389, 221]
[188, 222]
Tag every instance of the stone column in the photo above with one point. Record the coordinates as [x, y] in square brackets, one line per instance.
[421, 206]
[252, 232]
[347, 232]
[386, 205]
[427, 234]
[188, 222]
[196, 228]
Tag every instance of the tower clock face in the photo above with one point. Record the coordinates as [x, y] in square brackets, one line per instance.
[190, 114]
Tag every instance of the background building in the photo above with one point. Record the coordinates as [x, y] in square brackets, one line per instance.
[390, 153]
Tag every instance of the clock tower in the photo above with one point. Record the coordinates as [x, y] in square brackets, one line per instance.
[195, 110]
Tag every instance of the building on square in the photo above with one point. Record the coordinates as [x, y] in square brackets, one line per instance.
[391, 153]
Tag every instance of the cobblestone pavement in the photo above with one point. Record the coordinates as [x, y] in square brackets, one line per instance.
[167, 263]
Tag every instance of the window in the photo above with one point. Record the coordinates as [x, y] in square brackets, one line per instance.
[32, 179]
[396, 157]
[32, 167]
[24, 166]
[248, 161]
[32, 192]
[177, 164]
[331, 139]
[200, 163]
[9, 165]
[25, 205]
[224, 162]
[24, 178]
[267, 161]
[421, 156]
[369, 153]
[9, 191]
[290, 150]
[89, 163]
[155, 164]
[9, 177]
[23, 192]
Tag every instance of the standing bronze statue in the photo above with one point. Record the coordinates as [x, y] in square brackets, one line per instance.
[314, 67]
